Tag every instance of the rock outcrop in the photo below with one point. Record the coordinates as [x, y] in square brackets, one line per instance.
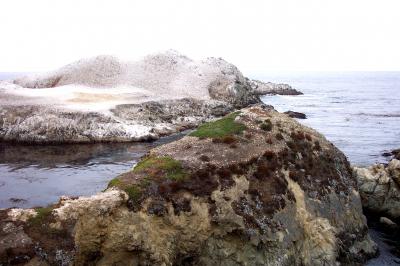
[263, 88]
[106, 99]
[253, 188]
[379, 187]
[394, 154]
[294, 114]
[123, 123]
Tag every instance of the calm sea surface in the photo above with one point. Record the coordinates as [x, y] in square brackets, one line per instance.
[358, 111]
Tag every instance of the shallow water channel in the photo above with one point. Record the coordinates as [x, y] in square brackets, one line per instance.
[38, 175]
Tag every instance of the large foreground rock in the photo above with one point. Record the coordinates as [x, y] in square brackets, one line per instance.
[379, 187]
[254, 188]
[107, 99]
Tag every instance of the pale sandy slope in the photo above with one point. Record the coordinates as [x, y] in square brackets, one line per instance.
[108, 79]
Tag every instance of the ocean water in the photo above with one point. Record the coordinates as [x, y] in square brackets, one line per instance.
[32, 176]
[358, 111]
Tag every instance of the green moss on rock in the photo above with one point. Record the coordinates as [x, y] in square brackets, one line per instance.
[114, 182]
[220, 128]
[164, 166]
[151, 169]
[42, 215]
[134, 192]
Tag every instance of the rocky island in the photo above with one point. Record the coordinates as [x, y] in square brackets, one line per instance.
[105, 99]
[263, 88]
[290, 198]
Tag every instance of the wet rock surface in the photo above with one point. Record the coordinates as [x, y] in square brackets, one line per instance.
[387, 223]
[254, 188]
[394, 154]
[386, 233]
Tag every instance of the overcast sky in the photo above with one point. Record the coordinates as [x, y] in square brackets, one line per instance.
[257, 36]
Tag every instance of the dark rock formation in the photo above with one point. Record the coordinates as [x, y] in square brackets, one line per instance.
[293, 114]
[395, 153]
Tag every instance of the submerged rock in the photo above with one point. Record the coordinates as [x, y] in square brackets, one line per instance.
[379, 187]
[253, 188]
[263, 88]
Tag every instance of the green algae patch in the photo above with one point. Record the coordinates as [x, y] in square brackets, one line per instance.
[114, 182]
[42, 215]
[166, 166]
[134, 192]
[220, 128]
[150, 170]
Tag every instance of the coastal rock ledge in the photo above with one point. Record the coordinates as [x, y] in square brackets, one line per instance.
[253, 188]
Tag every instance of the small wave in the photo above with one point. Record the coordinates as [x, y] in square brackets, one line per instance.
[309, 105]
[378, 115]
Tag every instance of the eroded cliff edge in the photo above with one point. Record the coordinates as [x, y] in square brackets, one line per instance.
[253, 188]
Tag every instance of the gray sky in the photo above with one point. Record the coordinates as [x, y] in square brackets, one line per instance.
[257, 36]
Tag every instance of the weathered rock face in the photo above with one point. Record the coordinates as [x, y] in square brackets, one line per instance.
[127, 122]
[253, 188]
[106, 99]
[263, 88]
[379, 187]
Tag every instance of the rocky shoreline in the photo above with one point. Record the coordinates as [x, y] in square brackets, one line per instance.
[254, 187]
[194, 201]
[379, 187]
